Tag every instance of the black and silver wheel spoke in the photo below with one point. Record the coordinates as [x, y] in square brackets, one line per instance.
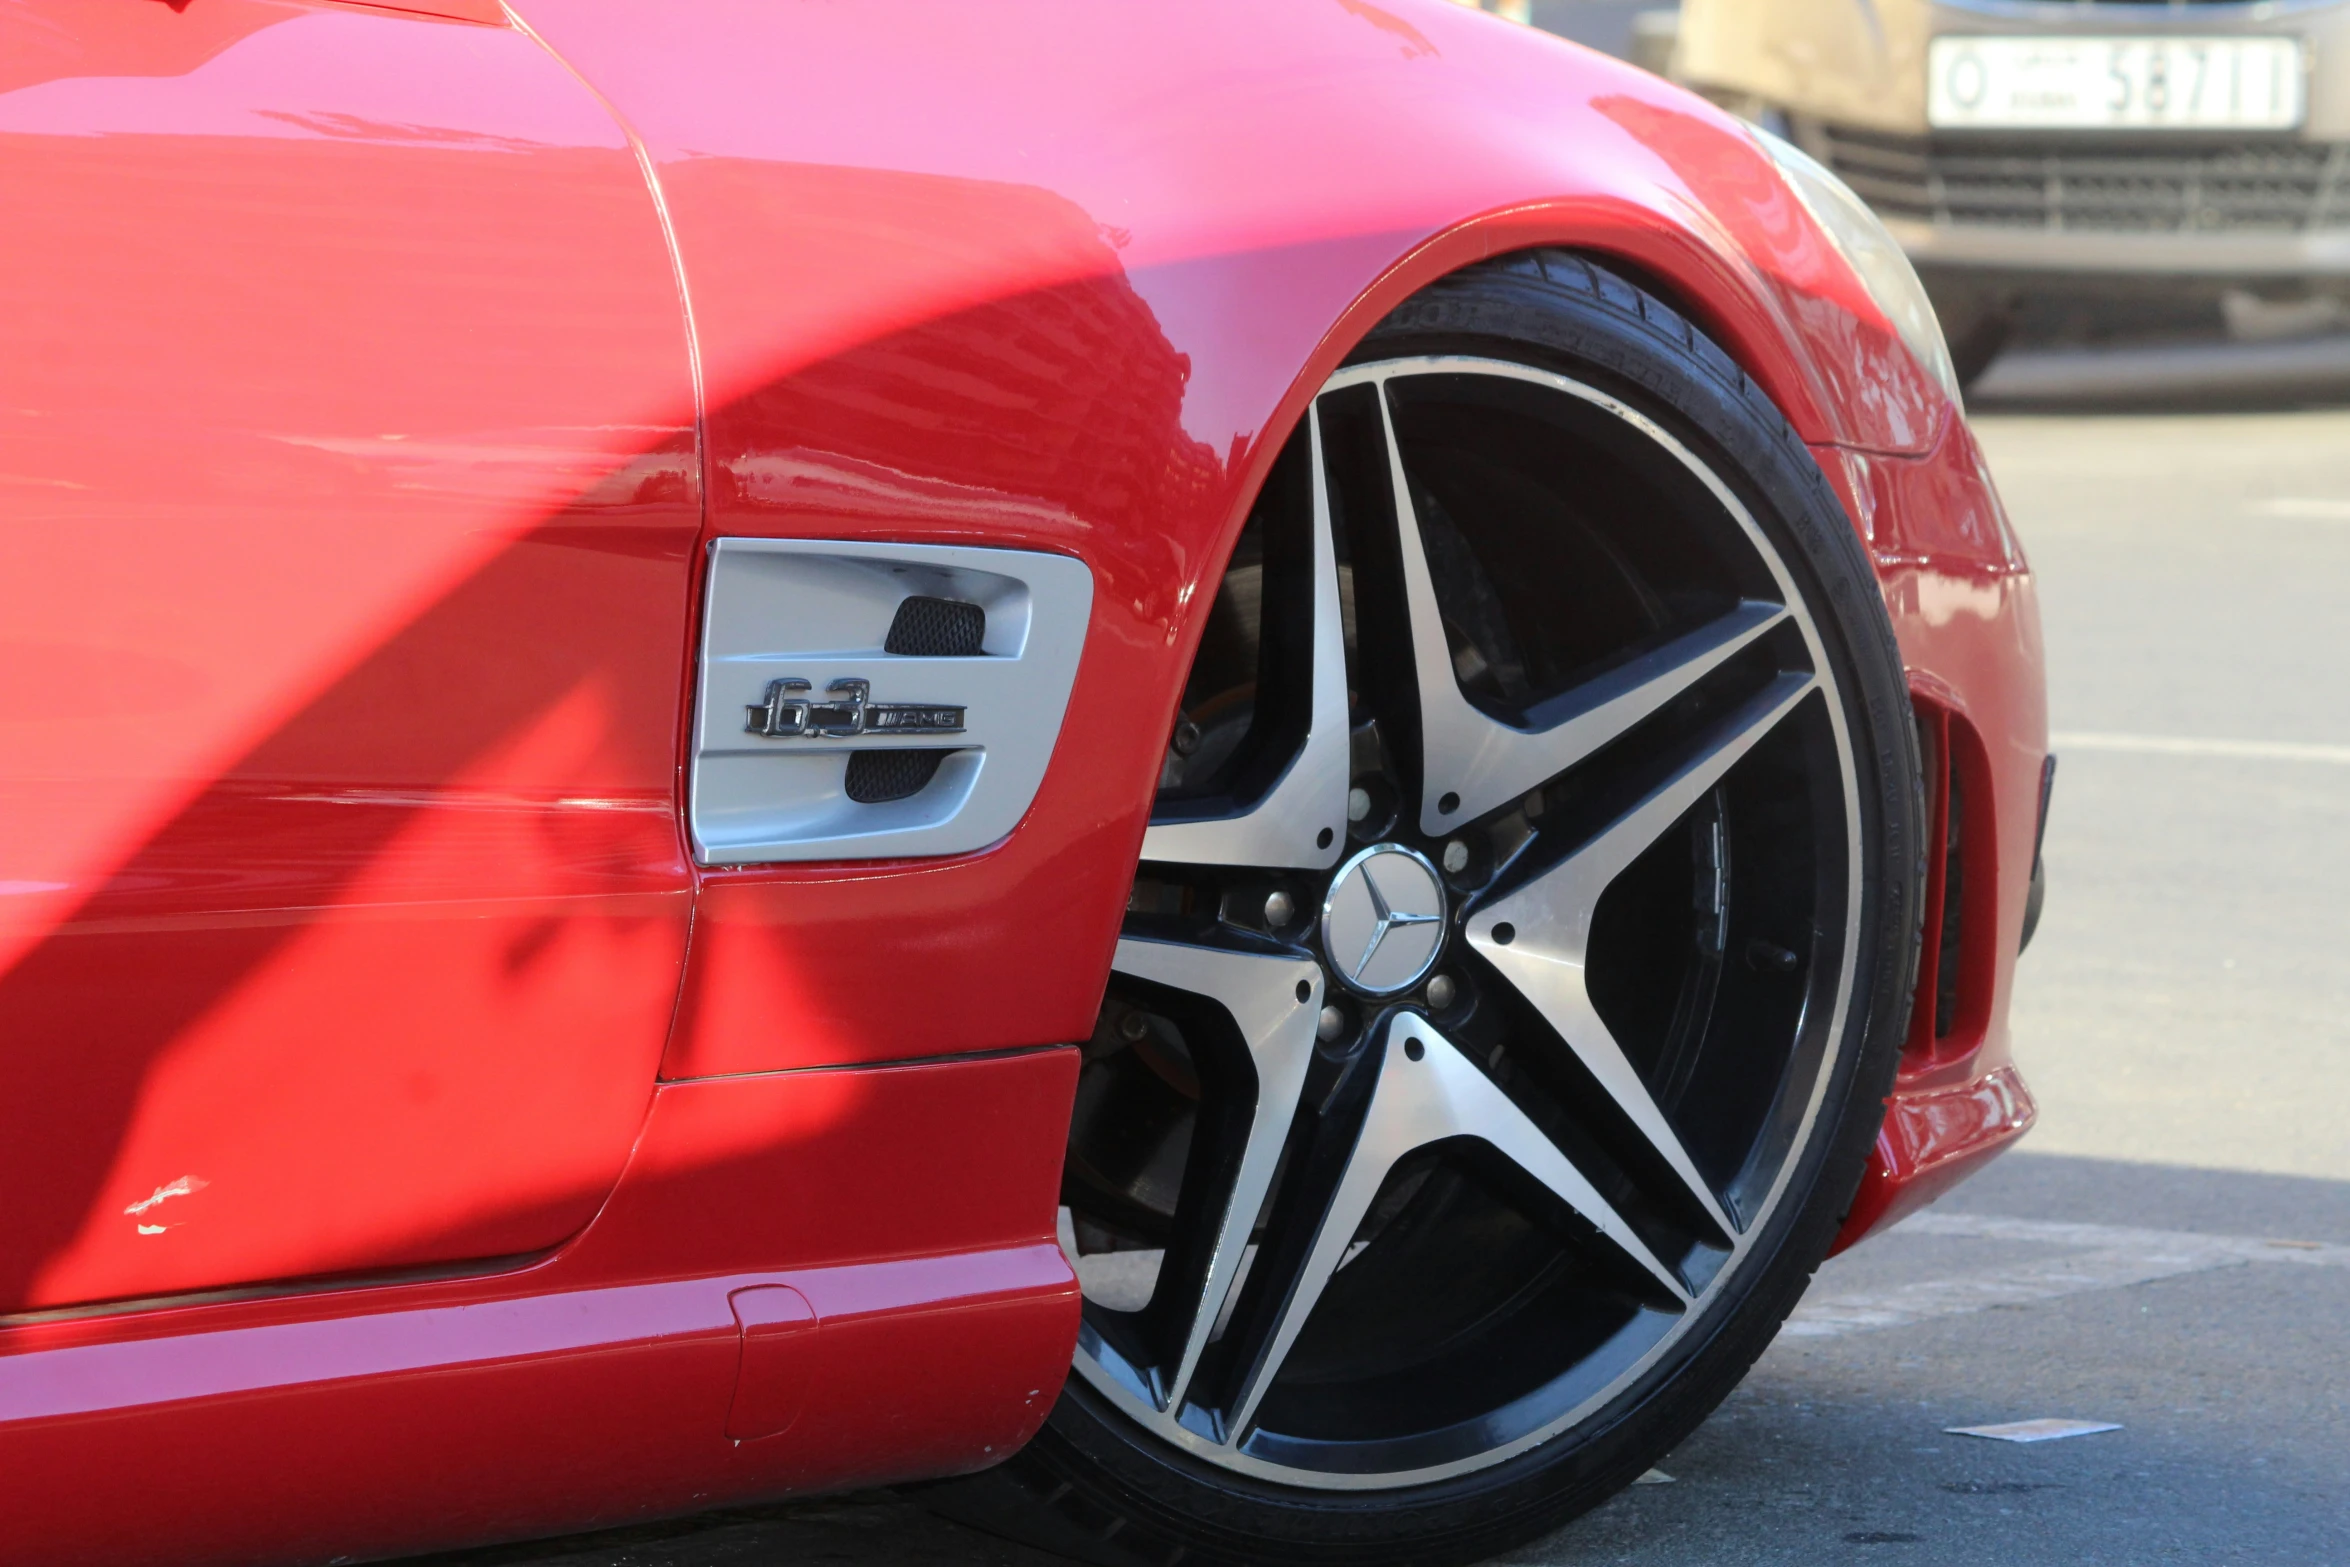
[1481, 1112]
[1426, 1093]
[1539, 934]
[1272, 1002]
[1301, 820]
[1472, 762]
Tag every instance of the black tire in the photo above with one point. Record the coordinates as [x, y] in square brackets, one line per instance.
[1095, 1486]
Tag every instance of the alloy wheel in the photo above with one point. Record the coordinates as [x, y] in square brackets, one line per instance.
[1491, 948]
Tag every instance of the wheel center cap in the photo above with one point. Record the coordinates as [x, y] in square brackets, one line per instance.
[1383, 922]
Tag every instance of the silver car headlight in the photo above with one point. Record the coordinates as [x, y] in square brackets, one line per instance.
[1874, 254]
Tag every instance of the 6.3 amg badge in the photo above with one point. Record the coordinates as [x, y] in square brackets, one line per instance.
[844, 713]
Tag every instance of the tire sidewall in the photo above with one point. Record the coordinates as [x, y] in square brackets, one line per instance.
[1606, 334]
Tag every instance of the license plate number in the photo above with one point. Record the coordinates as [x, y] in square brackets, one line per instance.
[2114, 83]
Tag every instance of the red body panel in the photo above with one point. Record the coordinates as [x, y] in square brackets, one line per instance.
[351, 505]
[1061, 341]
[910, 1208]
[1965, 610]
[350, 513]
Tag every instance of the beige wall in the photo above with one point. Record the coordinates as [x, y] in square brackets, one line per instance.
[1860, 62]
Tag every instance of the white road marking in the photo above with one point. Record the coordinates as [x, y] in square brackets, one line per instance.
[2042, 1430]
[2182, 745]
[2097, 1257]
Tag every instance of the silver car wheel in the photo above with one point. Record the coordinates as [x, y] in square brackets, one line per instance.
[1391, 1012]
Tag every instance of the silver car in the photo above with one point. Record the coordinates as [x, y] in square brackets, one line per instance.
[2088, 166]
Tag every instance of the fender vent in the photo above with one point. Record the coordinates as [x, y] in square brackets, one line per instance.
[934, 628]
[1953, 911]
[877, 777]
[1955, 960]
[856, 652]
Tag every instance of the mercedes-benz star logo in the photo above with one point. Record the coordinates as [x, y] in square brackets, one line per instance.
[1383, 923]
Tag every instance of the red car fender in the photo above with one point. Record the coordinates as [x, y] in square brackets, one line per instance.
[1049, 276]
[1160, 298]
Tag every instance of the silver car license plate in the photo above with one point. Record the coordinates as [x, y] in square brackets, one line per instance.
[2141, 83]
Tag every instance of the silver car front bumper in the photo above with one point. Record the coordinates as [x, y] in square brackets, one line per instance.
[2323, 253]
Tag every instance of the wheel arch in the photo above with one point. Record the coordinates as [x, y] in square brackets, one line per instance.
[1717, 289]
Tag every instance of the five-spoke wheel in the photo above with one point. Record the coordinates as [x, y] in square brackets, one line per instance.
[1511, 959]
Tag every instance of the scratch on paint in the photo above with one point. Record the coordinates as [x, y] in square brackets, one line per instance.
[153, 1229]
[185, 1186]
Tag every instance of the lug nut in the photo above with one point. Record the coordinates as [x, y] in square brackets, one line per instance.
[1456, 857]
[1187, 738]
[1358, 804]
[1132, 1027]
[1280, 908]
[1443, 991]
[1329, 1025]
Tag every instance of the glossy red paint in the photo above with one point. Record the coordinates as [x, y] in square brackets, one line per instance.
[875, 288]
[1966, 612]
[908, 1211]
[488, 12]
[344, 377]
[353, 448]
[779, 1347]
[1934, 1138]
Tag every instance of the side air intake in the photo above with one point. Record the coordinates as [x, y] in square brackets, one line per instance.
[877, 701]
[878, 777]
[1952, 1008]
[928, 627]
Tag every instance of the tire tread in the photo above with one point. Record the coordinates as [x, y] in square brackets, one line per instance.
[1596, 320]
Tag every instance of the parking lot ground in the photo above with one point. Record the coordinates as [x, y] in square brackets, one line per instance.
[2172, 1250]
[2224, 1375]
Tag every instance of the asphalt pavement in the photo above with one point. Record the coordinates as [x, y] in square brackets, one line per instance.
[2171, 1252]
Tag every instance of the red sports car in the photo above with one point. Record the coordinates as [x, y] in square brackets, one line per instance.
[1234, 765]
